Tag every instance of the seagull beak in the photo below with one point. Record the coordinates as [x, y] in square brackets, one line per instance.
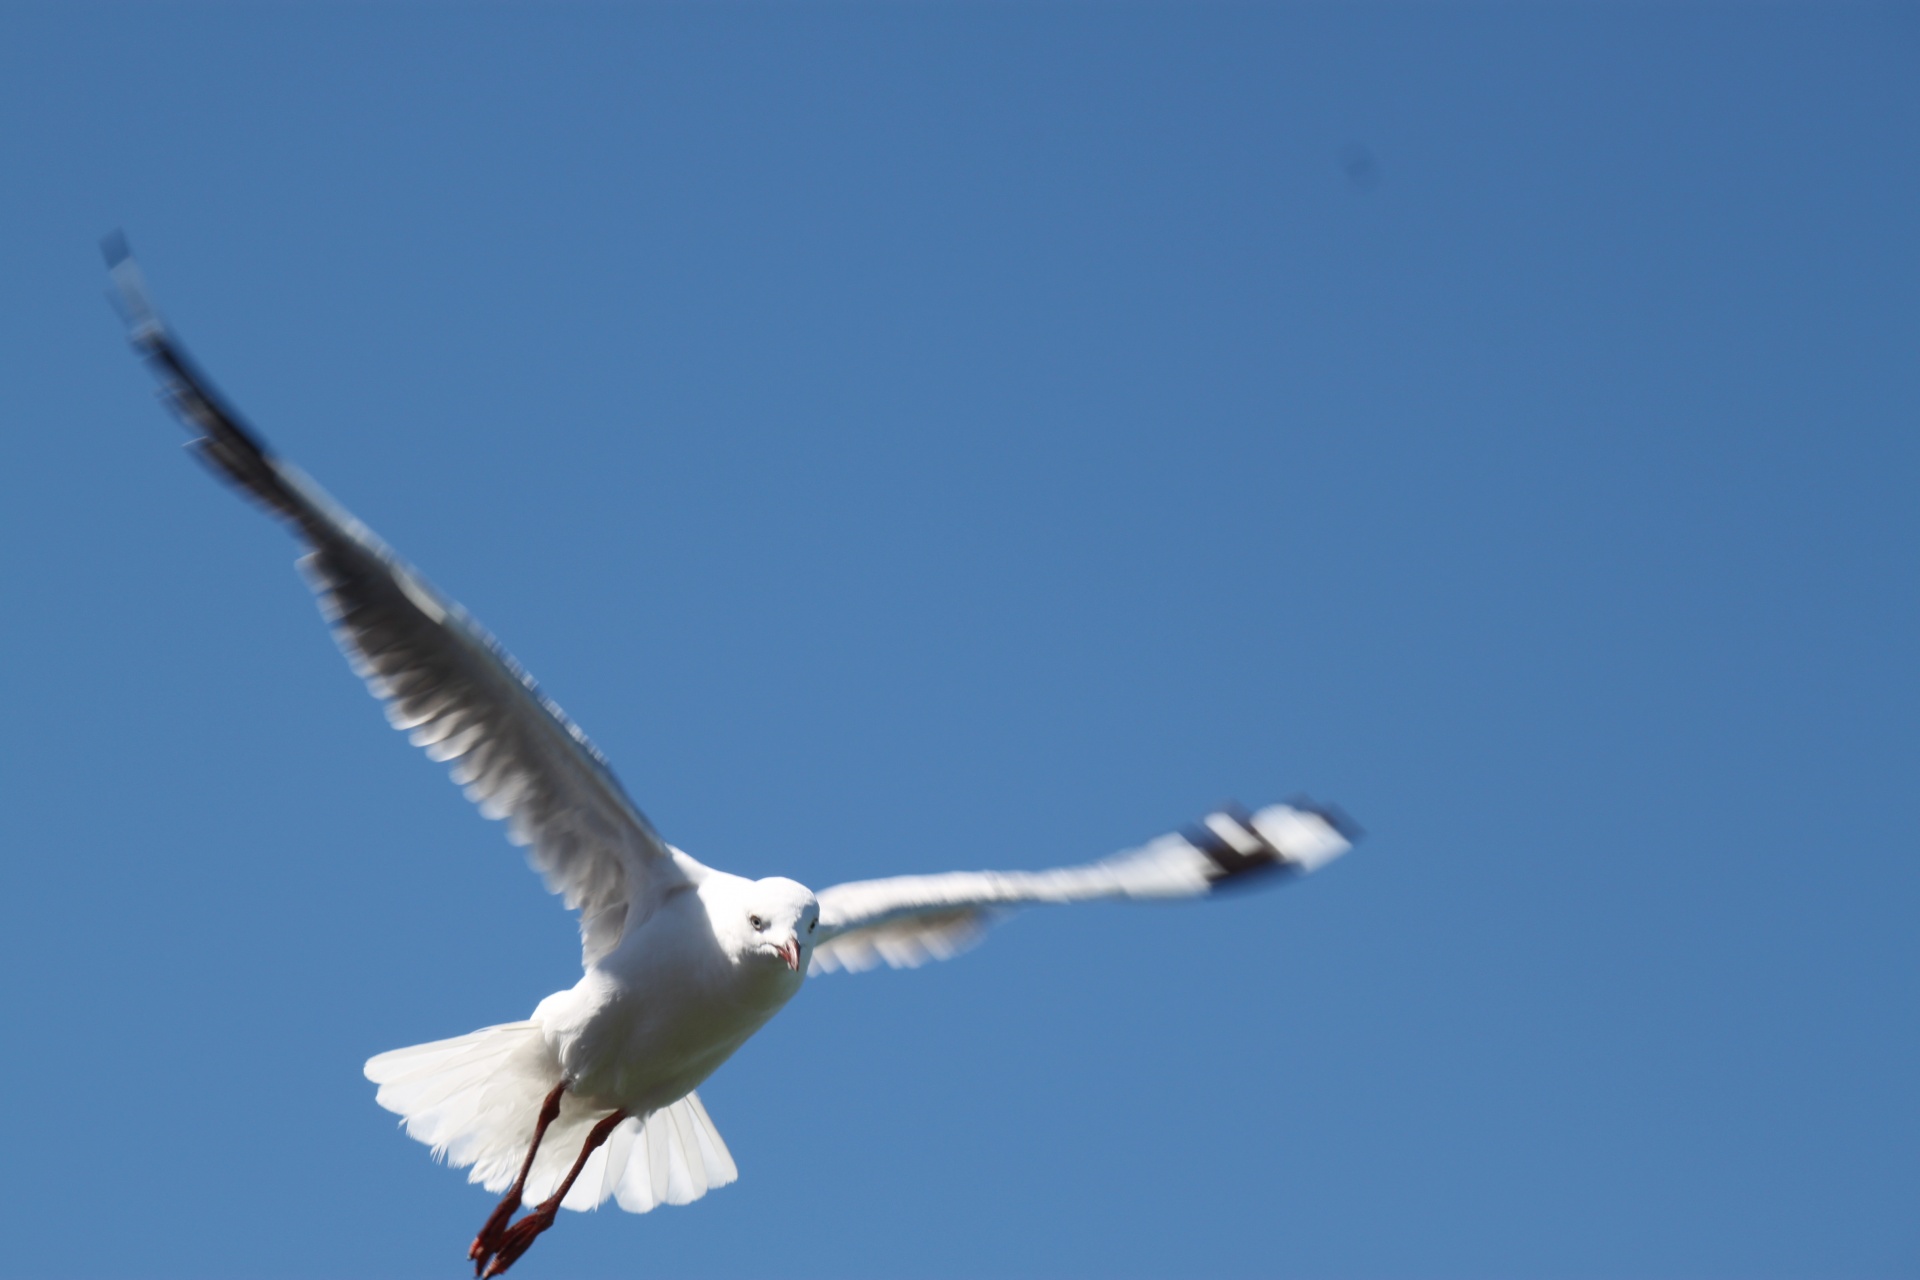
[790, 952]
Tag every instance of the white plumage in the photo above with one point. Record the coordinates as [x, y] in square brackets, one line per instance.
[682, 963]
[449, 1089]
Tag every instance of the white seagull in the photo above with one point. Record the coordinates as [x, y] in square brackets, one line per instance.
[593, 1097]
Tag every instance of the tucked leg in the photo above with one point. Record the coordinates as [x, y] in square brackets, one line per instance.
[487, 1243]
[521, 1235]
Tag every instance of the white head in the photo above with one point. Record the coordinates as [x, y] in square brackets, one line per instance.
[771, 922]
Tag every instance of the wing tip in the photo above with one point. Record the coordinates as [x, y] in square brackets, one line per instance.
[1293, 838]
[1333, 815]
[130, 298]
[114, 248]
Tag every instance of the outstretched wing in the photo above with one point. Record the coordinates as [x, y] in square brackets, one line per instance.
[906, 921]
[444, 679]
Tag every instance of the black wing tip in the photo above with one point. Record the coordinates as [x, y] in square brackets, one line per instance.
[1233, 867]
[222, 440]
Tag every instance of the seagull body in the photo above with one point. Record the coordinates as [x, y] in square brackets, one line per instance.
[593, 1097]
[649, 1022]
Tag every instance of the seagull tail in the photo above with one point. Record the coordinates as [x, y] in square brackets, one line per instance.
[475, 1099]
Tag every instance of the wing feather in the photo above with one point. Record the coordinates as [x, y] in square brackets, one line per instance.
[446, 682]
[904, 921]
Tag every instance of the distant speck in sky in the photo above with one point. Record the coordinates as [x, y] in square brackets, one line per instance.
[1363, 172]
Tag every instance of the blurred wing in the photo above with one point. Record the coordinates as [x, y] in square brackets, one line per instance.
[906, 921]
[444, 679]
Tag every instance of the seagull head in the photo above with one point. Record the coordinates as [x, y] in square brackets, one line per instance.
[777, 919]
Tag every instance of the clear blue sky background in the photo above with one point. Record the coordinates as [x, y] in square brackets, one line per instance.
[922, 437]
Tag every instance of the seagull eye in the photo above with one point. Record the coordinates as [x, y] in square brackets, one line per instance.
[756, 922]
[811, 924]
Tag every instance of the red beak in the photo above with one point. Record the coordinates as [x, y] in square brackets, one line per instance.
[790, 952]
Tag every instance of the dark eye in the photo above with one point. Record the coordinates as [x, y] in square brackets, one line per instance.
[756, 922]
[811, 924]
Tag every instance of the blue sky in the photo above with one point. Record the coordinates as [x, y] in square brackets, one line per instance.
[920, 437]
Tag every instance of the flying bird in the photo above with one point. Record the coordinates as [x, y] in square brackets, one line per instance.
[592, 1097]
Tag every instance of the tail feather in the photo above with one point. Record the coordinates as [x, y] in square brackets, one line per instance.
[476, 1098]
[673, 1156]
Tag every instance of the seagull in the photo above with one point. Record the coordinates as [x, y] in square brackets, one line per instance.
[592, 1097]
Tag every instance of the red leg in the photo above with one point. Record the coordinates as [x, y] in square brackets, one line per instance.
[521, 1235]
[487, 1243]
